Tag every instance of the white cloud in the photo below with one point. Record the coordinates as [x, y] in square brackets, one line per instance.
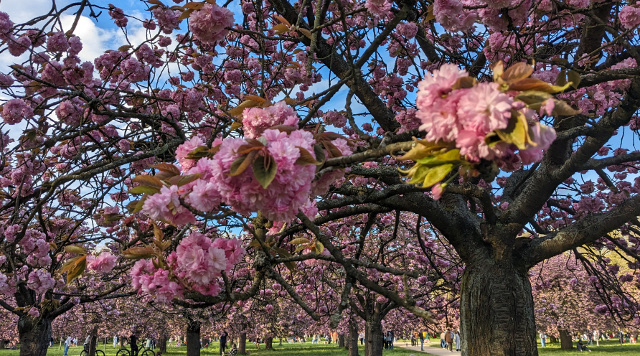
[95, 40]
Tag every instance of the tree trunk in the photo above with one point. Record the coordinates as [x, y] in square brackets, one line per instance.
[93, 341]
[496, 311]
[352, 343]
[34, 335]
[242, 344]
[553, 339]
[341, 342]
[565, 340]
[2, 344]
[193, 338]
[373, 342]
[268, 343]
[162, 343]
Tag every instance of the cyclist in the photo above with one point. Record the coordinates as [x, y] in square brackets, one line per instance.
[133, 343]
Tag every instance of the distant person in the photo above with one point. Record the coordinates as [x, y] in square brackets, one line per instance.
[133, 343]
[223, 342]
[581, 346]
[543, 339]
[67, 344]
[456, 339]
[421, 336]
[448, 338]
[115, 341]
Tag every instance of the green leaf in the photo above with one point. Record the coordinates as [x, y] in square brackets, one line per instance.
[183, 180]
[532, 97]
[563, 109]
[265, 169]
[517, 132]
[436, 175]
[75, 249]
[148, 181]
[167, 168]
[143, 189]
[319, 247]
[299, 241]
[574, 78]
[317, 149]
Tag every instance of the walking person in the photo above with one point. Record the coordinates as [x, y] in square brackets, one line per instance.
[115, 341]
[543, 339]
[443, 343]
[67, 344]
[223, 341]
[421, 336]
[448, 338]
[133, 344]
[456, 339]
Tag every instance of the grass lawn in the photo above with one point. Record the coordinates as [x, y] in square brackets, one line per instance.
[606, 348]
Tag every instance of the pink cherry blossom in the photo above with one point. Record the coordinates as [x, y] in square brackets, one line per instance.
[209, 24]
[103, 263]
[629, 17]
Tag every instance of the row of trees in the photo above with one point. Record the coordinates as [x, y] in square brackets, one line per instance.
[225, 153]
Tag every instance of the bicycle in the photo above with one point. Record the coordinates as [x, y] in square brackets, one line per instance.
[85, 352]
[142, 351]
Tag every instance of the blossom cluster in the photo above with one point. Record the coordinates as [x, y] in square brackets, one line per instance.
[209, 24]
[468, 116]
[291, 189]
[197, 264]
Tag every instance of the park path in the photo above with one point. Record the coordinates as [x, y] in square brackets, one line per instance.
[438, 351]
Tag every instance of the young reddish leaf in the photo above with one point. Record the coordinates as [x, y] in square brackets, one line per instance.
[139, 252]
[194, 5]
[242, 163]
[148, 181]
[143, 189]
[155, 2]
[282, 20]
[320, 156]
[186, 13]
[125, 48]
[184, 180]
[306, 158]
[333, 150]
[563, 109]
[235, 125]
[574, 78]
[265, 169]
[75, 249]
[305, 32]
[517, 72]
[74, 267]
[280, 28]
[199, 152]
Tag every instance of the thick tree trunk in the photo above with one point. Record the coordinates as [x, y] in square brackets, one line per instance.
[553, 339]
[373, 337]
[352, 343]
[242, 344]
[268, 343]
[34, 335]
[496, 311]
[565, 340]
[193, 338]
[93, 342]
[341, 340]
[162, 343]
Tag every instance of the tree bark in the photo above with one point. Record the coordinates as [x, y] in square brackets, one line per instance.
[553, 339]
[341, 342]
[496, 310]
[352, 343]
[162, 343]
[34, 335]
[242, 344]
[93, 342]
[373, 337]
[193, 338]
[565, 340]
[268, 343]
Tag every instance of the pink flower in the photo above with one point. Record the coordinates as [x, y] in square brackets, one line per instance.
[103, 263]
[15, 110]
[166, 206]
[437, 191]
[57, 42]
[200, 263]
[451, 15]
[5, 25]
[40, 281]
[184, 149]
[378, 8]
[483, 108]
[629, 17]
[18, 46]
[209, 24]
[256, 120]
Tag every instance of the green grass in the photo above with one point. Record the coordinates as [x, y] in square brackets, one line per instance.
[606, 348]
[306, 349]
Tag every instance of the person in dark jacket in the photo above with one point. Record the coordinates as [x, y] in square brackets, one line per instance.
[223, 342]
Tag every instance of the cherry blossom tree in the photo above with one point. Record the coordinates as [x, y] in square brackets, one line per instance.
[205, 146]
